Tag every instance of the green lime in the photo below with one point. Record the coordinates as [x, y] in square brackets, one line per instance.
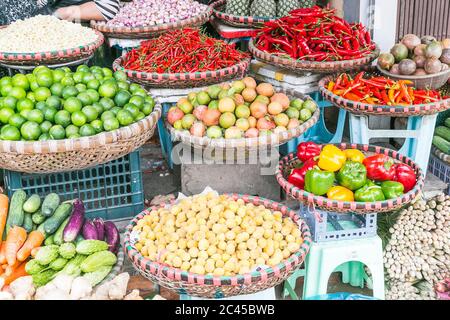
[87, 130]
[49, 114]
[66, 69]
[93, 94]
[85, 99]
[107, 72]
[147, 109]
[30, 77]
[97, 125]
[39, 69]
[31, 96]
[149, 99]
[21, 81]
[134, 87]
[44, 137]
[78, 77]
[58, 75]
[62, 117]
[123, 85]
[41, 105]
[44, 79]
[141, 92]
[81, 87]
[36, 116]
[16, 120]
[57, 132]
[9, 102]
[70, 91]
[120, 75]
[30, 130]
[98, 107]
[72, 104]
[57, 89]
[115, 110]
[106, 115]
[6, 89]
[125, 117]
[74, 136]
[99, 77]
[96, 69]
[132, 109]
[71, 130]
[138, 101]
[108, 90]
[139, 116]
[5, 114]
[88, 77]
[18, 93]
[42, 93]
[24, 113]
[34, 86]
[1, 102]
[90, 112]
[45, 126]
[110, 124]
[23, 104]
[78, 118]
[5, 81]
[54, 102]
[93, 84]
[10, 133]
[122, 97]
[107, 103]
[67, 81]
[83, 68]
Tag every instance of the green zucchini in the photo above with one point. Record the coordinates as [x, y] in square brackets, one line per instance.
[443, 132]
[58, 236]
[16, 214]
[27, 222]
[61, 213]
[447, 122]
[32, 204]
[38, 217]
[50, 204]
[441, 144]
[50, 240]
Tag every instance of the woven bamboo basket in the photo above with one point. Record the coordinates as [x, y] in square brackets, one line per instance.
[238, 21]
[273, 140]
[184, 80]
[378, 110]
[148, 32]
[291, 161]
[117, 268]
[312, 66]
[76, 154]
[52, 57]
[430, 81]
[220, 287]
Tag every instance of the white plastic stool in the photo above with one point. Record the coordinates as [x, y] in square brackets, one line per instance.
[419, 136]
[268, 294]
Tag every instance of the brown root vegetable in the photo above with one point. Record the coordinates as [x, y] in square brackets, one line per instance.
[433, 50]
[395, 69]
[407, 67]
[386, 61]
[445, 57]
[420, 50]
[427, 39]
[420, 72]
[400, 52]
[420, 61]
[411, 41]
[432, 66]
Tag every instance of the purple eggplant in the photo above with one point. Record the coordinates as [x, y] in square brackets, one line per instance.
[89, 231]
[100, 226]
[112, 236]
[73, 227]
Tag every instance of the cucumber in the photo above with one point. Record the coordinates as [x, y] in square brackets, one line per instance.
[50, 204]
[41, 229]
[28, 223]
[61, 213]
[32, 204]
[16, 214]
[447, 122]
[443, 132]
[38, 217]
[58, 236]
[441, 144]
[50, 240]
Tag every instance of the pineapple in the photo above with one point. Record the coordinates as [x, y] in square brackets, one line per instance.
[238, 7]
[263, 8]
[306, 3]
[286, 6]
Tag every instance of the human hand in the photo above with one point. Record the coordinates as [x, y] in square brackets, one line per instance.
[70, 13]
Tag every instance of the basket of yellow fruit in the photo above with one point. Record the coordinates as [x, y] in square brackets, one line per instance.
[217, 246]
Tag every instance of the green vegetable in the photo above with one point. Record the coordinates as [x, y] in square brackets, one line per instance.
[392, 189]
[58, 264]
[97, 260]
[318, 182]
[97, 276]
[352, 175]
[61, 213]
[443, 132]
[44, 277]
[441, 144]
[91, 246]
[67, 250]
[38, 217]
[32, 204]
[47, 254]
[58, 236]
[447, 122]
[16, 214]
[41, 229]
[50, 203]
[27, 222]
[369, 193]
[72, 268]
[49, 240]
[79, 239]
[33, 267]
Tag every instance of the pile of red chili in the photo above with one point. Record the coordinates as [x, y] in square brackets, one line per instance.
[315, 34]
[186, 50]
[380, 90]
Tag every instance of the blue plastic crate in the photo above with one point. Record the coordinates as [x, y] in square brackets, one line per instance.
[111, 191]
[329, 226]
[440, 169]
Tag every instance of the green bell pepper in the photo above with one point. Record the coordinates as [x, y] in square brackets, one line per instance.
[369, 193]
[392, 189]
[319, 182]
[353, 175]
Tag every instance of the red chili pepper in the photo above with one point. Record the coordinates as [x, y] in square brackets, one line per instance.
[307, 150]
[297, 176]
[405, 175]
[379, 167]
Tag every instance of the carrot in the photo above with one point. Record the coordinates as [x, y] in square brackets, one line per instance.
[9, 270]
[35, 239]
[2, 252]
[3, 213]
[14, 241]
[17, 273]
[34, 251]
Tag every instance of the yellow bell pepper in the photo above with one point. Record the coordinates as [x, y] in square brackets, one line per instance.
[340, 194]
[331, 158]
[354, 155]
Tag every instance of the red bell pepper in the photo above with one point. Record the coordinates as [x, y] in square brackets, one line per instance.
[307, 150]
[297, 176]
[379, 168]
[405, 175]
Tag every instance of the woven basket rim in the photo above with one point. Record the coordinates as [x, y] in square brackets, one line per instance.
[102, 27]
[239, 19]
[82, 143]
[330, 66]
[354, 207]
[69, 52]
[403, 77]
[295, 260]
[360, 107]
